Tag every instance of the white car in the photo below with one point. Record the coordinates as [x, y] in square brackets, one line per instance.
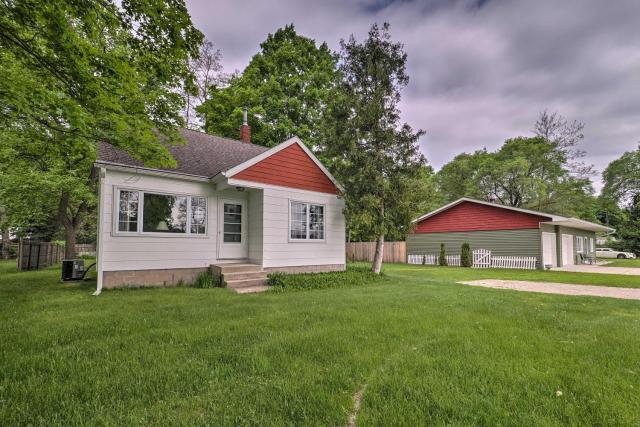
[610, 253]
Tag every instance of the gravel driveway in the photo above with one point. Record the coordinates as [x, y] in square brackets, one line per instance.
[558, 288]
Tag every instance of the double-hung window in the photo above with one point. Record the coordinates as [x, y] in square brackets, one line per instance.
[306, 221]
[149, 212]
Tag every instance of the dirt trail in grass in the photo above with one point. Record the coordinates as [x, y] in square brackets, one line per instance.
[558, 288]
[357, 401]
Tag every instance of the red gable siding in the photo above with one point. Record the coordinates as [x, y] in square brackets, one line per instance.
[469, 216]
[290, 167]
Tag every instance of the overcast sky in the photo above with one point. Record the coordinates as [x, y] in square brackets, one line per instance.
[481, 70]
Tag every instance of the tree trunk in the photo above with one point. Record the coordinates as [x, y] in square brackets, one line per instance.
[70, 242]
[377, 259]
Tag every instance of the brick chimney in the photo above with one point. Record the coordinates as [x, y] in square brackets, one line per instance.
[245, 129]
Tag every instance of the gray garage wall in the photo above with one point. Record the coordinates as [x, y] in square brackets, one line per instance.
[501, 242]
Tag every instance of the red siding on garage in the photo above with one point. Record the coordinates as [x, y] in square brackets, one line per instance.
[290, 167]
[469, 216]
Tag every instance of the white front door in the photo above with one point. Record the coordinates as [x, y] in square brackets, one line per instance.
[549, 249]
[567, 249]
[232, 229]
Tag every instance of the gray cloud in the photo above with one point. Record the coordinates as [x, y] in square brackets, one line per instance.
[480, 70]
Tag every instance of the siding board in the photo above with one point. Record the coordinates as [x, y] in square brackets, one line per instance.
[524, 242]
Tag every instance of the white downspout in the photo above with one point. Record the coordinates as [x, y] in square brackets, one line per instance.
[101, 175]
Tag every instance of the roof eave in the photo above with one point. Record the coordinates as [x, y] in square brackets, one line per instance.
[150, 171]
[581, 224]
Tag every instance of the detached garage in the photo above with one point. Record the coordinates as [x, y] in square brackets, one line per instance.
[505, 231]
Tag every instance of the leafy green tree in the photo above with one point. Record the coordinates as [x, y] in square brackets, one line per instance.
[372, 153]
[524, 172]
[286, 87]
[622, 178]
[459, 177]
[620, 199]
[77, 73]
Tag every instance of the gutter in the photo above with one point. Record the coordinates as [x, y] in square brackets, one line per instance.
[101, 176]
[151, 171]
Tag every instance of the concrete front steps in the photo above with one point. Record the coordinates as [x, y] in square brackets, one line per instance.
[242, 278]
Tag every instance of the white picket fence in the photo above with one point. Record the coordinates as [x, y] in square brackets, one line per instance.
[521, 262]
[422, 259]
[482, 258]
[453, 260]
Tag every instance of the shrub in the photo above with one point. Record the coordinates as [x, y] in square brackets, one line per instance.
[352, 276]
[465, 257]
[442, 258]
[206, 280]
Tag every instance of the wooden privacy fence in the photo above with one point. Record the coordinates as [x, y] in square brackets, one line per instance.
[35, 255]
[394, 252]
[482, 258]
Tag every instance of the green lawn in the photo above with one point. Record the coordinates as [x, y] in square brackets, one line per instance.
[430, 352]
[632, 263]
[436, 274]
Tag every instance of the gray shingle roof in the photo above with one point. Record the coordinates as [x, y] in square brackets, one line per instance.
[203, 155]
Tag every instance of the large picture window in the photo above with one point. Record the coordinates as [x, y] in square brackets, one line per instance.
[164, 214]
[306, 221]
[144, 212]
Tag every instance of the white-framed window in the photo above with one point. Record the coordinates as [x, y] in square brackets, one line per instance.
[150, 212]
[306, 221]
[592, 245]
[579, 244]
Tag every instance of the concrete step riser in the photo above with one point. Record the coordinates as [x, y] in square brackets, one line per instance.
[244, 275]
[237, 284]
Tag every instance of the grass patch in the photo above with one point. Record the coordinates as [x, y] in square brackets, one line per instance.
[629, 263]
[456, 274]
[352, 276]
[206, 280]
[431, 352]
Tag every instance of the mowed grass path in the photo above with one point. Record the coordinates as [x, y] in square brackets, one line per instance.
[629, 263]
[430, 351]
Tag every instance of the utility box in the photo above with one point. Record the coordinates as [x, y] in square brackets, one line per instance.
[72, 269]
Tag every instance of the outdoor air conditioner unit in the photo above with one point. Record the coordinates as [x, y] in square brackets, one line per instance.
[72, 269]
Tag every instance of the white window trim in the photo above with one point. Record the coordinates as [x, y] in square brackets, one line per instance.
[116, 215]
[324, 222]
